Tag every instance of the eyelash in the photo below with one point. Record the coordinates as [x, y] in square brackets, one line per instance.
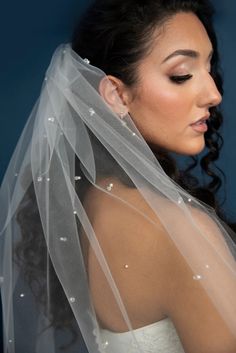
[180, 79]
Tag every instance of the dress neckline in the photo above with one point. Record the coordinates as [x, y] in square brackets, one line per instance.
[142, 328]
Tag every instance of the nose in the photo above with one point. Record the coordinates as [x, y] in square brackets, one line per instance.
[210, 96]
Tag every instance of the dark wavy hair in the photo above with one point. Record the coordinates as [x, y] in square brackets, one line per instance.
[115, 35]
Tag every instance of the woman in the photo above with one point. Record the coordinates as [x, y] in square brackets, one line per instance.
[98, 239]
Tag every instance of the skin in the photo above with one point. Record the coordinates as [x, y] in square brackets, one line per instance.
[162, 109]
[162, 281]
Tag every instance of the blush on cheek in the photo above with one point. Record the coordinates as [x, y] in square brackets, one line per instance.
[166, 105]
[159, 112]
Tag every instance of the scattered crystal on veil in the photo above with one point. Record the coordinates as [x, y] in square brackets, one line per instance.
[64, 239]
[87, 61]
[110, 186]
[180, 200]
[105, 344]
[91, 111]
[197, 277]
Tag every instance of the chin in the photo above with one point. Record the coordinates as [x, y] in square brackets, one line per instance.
[194, 149]
[189, 149]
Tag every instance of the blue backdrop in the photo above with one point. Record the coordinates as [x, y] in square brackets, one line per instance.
[30, 31]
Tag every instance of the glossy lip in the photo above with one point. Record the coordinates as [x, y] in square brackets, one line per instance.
[202, 127]
[205, 117]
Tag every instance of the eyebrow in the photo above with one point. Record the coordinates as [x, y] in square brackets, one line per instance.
[186, 52]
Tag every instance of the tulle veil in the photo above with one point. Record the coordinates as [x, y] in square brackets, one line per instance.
[74, 142]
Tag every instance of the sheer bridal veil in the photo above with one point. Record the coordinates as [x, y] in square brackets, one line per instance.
[74, 145]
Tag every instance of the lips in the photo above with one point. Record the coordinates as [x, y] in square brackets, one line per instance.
[202, 120]
[200, 124]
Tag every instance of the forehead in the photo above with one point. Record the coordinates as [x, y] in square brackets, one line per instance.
[182, 31]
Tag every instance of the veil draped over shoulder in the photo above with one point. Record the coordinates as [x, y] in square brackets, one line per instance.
[76, 165]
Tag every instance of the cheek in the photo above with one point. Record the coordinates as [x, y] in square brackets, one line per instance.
[163, 114]
[165, 108]
[166, 101]
[168, 105]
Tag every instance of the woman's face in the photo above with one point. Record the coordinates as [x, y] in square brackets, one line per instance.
[175, 89]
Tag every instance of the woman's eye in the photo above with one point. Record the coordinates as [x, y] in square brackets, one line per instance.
[180, 79]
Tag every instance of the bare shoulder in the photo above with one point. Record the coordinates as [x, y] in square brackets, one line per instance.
[123, 212]
[137, 251]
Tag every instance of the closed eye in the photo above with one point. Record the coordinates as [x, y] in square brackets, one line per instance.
[180, 79]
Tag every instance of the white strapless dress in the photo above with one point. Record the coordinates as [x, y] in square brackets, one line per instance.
[160, 337]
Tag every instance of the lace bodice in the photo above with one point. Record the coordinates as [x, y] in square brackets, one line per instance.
[160, 337]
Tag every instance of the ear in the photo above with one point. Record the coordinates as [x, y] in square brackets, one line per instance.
[114, 92]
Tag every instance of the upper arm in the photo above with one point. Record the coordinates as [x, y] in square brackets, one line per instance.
[190, 303]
